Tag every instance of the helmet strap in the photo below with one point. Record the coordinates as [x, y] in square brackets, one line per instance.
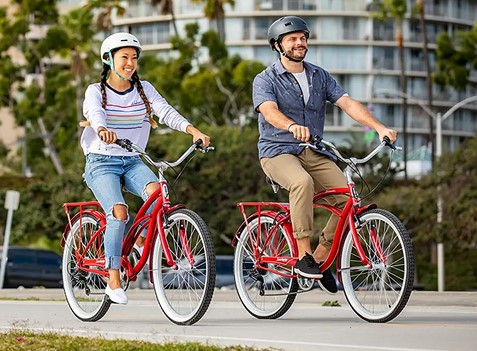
[284, 54]
[110, 63]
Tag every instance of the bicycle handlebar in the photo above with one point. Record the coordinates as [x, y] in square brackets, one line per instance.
[128, 145]
[317, 144]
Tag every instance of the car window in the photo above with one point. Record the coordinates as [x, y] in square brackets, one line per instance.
[21, 257]
[224, 266]
[48, 259]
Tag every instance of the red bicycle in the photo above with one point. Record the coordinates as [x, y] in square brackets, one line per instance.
[178, 249]
[372, 250]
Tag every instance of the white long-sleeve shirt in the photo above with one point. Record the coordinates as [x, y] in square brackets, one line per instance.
[125, 114]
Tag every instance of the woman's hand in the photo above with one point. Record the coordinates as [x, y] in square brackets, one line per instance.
[107, 136]
[197, 134]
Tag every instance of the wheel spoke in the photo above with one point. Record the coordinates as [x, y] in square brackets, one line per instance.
[184, 292]
[84, 290]
[263, 293]
[378, 293]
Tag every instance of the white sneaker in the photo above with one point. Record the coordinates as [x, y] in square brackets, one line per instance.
[117, 295]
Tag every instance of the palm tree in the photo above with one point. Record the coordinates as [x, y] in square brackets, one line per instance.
[214, 10]
[167, 8]
[105, 10]
[422, 20]
[397, 9]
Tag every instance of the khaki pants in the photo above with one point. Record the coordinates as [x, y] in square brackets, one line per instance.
[303, 176]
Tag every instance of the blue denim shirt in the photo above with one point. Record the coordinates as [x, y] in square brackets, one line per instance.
[276, 84]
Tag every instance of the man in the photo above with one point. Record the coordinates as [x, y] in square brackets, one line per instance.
[290, 96]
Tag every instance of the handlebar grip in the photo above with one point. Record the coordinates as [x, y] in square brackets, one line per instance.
[315, 139]
[198, 142]
[388, 143]
[125, 144]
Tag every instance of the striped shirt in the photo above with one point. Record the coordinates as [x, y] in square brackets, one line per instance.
[125, 114]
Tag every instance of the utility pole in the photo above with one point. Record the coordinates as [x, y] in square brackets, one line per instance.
[12, 200]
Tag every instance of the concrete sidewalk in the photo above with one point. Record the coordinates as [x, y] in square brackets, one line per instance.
[418, 298]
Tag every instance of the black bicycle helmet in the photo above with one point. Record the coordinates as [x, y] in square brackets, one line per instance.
[286, 25]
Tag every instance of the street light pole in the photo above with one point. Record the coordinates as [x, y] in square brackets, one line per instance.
[440, 246]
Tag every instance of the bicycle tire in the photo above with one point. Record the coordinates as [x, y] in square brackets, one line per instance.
[279, 292]
[184, 294]
[84, 291]
[378, 293]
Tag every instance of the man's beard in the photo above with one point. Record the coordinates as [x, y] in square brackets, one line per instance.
[290, 53]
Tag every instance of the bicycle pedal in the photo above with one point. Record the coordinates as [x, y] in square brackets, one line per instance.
[305, 284]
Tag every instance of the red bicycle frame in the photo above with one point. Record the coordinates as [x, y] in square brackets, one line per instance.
[154, 222]
[281, 212]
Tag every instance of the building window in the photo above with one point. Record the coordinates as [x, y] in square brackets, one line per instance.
[246, 35]
[383, 58]
[334, 57]
[261, 27]
[383, 30]
[351, 28]
[267, 5]
[149, 34]
[417, 60]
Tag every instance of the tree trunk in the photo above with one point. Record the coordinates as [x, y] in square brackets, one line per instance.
[425, 51]
[50, 147]
[403, 84]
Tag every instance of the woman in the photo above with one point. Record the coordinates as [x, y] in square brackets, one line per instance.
[122, 106]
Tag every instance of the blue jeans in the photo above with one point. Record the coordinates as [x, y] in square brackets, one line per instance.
[105, 176]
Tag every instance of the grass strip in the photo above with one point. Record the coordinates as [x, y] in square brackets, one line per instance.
[24, 340]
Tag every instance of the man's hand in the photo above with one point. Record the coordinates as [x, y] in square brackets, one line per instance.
[387, 132]
[299, 132]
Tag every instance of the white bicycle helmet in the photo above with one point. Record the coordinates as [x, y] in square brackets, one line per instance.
[116, 41]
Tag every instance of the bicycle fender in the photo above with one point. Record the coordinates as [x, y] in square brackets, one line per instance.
[250, 218]
[366, 208]
[95, 213]
[172, 208]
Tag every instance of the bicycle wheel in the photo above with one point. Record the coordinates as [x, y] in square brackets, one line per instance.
[380, 292]
[264, 294]
[184, 294]
[84, 291]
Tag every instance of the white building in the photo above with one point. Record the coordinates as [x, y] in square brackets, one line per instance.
[358, 50]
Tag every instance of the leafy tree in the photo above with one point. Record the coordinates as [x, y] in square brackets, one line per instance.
[456, 58]
[225, 82]
[456, 177]
[72, 39]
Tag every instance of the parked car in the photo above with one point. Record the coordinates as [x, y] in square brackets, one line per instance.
[30, 267]
[225, 272]
[224, 275]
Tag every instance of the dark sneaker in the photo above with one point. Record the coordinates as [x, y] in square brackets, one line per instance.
[307, 267]
[328, 283]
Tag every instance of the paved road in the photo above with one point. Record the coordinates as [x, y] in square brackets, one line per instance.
[431, 321]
